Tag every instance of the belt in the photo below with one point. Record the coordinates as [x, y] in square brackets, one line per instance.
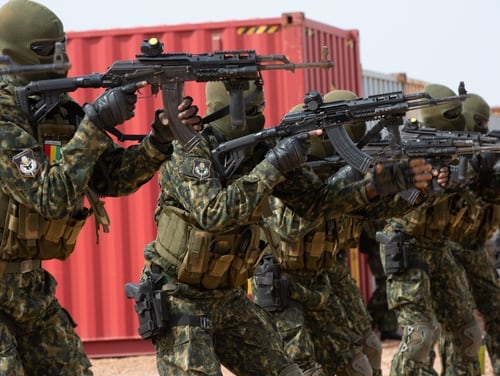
[24, 266]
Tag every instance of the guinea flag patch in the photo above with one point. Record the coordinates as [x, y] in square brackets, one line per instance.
[52, 149]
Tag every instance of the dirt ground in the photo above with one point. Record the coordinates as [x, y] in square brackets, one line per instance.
[145, 365]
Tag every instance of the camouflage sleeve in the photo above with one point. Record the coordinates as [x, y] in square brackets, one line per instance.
[341, 193]
[387, 207]
[122, 171]
[191, 181]
[318, 200]
[303, 201]
[52, 190]
[287, 223]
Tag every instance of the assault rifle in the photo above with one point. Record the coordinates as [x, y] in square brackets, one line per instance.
[58, 65]
[168, 72]
[388, 108]
[451, 148]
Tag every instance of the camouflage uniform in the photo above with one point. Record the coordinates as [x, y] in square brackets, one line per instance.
[312, 259]
[222, 213]
[425, 285]
[47, 169]
[478, 220]
[432, 287]
[319, 287]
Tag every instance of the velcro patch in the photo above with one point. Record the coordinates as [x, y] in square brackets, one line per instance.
[201, 168]
[26, 163]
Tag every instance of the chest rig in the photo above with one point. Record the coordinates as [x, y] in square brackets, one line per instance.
[472, 218]
[206, 259]
[25, 234]
[312, 252]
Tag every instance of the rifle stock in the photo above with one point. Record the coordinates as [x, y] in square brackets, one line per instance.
[58, 65]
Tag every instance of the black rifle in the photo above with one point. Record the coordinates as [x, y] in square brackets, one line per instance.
[168, 72]
[388, 108]
[58, 65]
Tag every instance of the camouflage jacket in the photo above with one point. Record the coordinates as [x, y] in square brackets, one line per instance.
[52, 189]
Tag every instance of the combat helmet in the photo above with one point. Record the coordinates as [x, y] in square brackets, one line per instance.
[445, 116]
[218, 99]
[321, 147]
[28, 33]
[476, 113]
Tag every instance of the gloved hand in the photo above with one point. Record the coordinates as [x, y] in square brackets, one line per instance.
[416, 173]
[315, 296]
[289, 153]
[161, 134]
[114, 106]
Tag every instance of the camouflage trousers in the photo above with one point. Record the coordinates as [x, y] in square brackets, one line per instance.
[352, 320]
[486, 293]
[238, 333]
[37, 334]
[293, 325]
[433, 287]
[327, 333]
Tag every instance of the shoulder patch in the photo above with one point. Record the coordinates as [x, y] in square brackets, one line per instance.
[201, 168]
[26, 163]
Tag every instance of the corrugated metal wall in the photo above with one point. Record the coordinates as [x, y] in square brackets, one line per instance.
[377, 83]
[410, 85]
[91, 281]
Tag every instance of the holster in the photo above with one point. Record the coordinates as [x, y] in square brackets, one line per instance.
[150, 305]
[397, 251]
[270, 289]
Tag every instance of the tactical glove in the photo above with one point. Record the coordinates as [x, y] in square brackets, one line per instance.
[112, 107]
[393, 178]
[313, 297]
[161, 134]
[289, 153]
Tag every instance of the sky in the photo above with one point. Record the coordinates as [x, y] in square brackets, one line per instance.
[439, 41]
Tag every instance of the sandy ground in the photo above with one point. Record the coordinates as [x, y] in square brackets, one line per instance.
[145, 365]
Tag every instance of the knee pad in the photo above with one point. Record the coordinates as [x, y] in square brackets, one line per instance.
[317, 370]
[291, 370]
[417, 341]
[467, 340]
[373, 350]
[359, 366]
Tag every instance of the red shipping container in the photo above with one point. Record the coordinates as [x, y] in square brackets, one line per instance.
[91, 281]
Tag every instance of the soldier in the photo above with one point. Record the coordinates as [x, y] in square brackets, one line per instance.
[477, 223]
[425, 285]
[42, 196]
[304, 281]
[208, 241]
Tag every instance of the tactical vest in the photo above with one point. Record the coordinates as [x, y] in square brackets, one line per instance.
[349, 228]
[429, 221]
[24, 232]
[473, 219]
[313, 252]
[206, 259]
